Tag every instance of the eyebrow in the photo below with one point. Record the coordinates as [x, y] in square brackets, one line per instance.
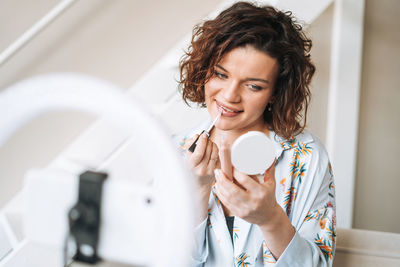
[249, 79]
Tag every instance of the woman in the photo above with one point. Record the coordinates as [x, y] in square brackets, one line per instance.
[252, 64]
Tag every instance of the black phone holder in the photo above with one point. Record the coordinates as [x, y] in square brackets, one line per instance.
[84, 220]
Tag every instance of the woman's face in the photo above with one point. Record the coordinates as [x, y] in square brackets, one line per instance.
[241, 87]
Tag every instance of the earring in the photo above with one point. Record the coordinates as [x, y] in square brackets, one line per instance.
[269, 108]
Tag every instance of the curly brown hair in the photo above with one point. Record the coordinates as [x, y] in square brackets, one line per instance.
[268, 30]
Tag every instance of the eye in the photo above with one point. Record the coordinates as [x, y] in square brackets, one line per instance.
[220, 75]
[255, 87]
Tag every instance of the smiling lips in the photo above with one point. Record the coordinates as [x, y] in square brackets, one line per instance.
[227, 111]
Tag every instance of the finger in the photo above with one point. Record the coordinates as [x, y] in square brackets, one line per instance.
[231, 195]
[207, 154]
[188, 154]
[201, 146]
[214, 156]
[269, 175]
[246, 181]
[223, 198]
[225, 157]
[228, 188]
[233, 208]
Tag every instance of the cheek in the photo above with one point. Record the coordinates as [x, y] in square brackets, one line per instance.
[262, 106]
[211, 88]
[257, 105]
[259, 110]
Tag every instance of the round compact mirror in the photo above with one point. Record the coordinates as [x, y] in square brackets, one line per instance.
[252, 153]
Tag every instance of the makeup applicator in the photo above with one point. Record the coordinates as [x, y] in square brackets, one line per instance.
[193, 146]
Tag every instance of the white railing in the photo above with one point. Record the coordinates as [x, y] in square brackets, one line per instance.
[35, 30]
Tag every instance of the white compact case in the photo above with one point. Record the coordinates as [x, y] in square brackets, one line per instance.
[252, 153]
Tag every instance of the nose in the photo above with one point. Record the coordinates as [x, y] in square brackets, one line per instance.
[231, 92]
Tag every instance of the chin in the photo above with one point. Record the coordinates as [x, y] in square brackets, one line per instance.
[224, 126]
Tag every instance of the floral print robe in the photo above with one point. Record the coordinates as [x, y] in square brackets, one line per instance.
[304, 189]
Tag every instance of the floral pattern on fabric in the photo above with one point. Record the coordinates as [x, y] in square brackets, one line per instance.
[297, 171]
[304, 189]
[182, 144]
[326, 220]
[236, 231]
[327, 236]
[267, 255]
[242, 260]
[325, 239]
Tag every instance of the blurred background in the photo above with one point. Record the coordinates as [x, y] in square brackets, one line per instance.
[121, 41]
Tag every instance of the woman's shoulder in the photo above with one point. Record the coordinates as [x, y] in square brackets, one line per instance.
[302, 154]
[313, 141]
[304, 143]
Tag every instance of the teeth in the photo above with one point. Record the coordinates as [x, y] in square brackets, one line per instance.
[227, 109]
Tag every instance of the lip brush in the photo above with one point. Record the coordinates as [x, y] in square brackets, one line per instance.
[193, 146]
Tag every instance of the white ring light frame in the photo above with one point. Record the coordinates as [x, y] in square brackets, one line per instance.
[28, 99]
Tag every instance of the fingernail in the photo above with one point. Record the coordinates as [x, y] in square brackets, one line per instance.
[204, 135]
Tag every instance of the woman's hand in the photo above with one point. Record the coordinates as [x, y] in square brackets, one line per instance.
[247, 198]
[256, 203]
[203, 160]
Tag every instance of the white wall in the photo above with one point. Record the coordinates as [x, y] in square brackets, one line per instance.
[378, 180]
[320, 32]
